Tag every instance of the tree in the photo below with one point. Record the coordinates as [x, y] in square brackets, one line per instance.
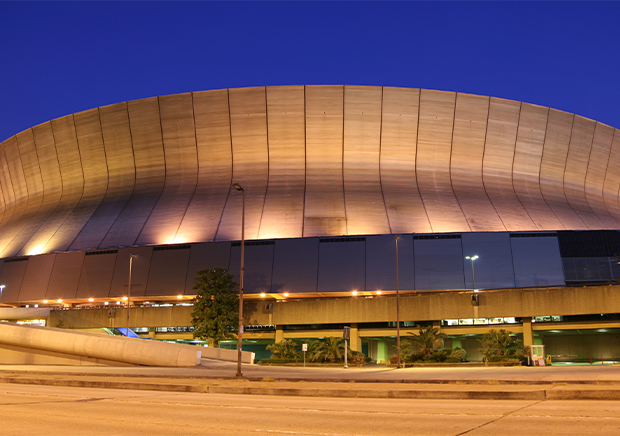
[331, 349]
[406, 349]
[428, 338]
[216, 306]
[498, 345]
[314, 348]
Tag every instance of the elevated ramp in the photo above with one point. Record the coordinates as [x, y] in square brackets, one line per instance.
[38, 345]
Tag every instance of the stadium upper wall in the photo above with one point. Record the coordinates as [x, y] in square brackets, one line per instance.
[314, 161]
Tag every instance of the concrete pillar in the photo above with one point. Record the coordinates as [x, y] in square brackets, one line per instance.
[279, 333]
[528, 335]
[355, 342]
[456, 342]
[382, 352]
[152, 332]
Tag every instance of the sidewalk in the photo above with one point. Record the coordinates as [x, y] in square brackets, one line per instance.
[512, 383]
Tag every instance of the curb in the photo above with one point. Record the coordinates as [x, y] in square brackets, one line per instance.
[535, 394]
[362, 381]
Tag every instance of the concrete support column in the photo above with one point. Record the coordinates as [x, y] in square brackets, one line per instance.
[383, 354]
[152, 332]
[456, 342]
[279, 333]
[355, 342]
[528, 335]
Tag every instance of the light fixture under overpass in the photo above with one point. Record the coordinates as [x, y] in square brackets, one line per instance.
[238, 187]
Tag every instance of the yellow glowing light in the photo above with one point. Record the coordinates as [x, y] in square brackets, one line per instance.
[45, 301]
[106, 303]
[118, 302]
[354, 293]
[36, 250]
[124, 298]
[91, 299]
[285, 294]
[378, 292]
[179, 296]
[263, 295]
[59, 301]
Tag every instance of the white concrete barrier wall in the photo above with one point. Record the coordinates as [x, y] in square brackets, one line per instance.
[17, 313]
[227, 354]
[119, 349]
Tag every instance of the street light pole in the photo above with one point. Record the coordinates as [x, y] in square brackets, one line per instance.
[397, 306]
[131, 256]
[473, 278]
[238, 187]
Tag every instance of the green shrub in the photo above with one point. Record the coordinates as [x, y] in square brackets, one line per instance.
[457, 355]
[286, 349]
[440, 355]
[356, 358]
[416, 357]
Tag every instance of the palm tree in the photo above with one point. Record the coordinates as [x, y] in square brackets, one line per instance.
[331, 349]
[428, 338]
[313, 350]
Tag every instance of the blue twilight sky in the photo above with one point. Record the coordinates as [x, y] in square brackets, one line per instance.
[61, 58]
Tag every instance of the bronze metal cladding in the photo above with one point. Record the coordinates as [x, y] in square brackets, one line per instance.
[314, 161]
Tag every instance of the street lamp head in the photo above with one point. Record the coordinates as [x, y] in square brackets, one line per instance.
[238, 187]
[474, 257]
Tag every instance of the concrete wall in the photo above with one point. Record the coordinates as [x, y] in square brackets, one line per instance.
[419, 307]
[18, 313]
[582, 344]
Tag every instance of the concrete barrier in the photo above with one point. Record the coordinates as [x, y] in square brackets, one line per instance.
[99, 346]
[227, 354]
[17, 313]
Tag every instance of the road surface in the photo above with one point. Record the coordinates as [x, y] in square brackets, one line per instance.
[45, 410]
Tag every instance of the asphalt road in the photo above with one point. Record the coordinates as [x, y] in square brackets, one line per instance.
[44, 410]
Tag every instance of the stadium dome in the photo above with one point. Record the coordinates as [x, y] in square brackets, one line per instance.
[315, 161]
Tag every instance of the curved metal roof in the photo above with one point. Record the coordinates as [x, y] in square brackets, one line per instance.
[314, 161]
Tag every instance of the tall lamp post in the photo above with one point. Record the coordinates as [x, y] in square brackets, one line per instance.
[473, 279]
[397, 306]
[238, 187]
[131, 256]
